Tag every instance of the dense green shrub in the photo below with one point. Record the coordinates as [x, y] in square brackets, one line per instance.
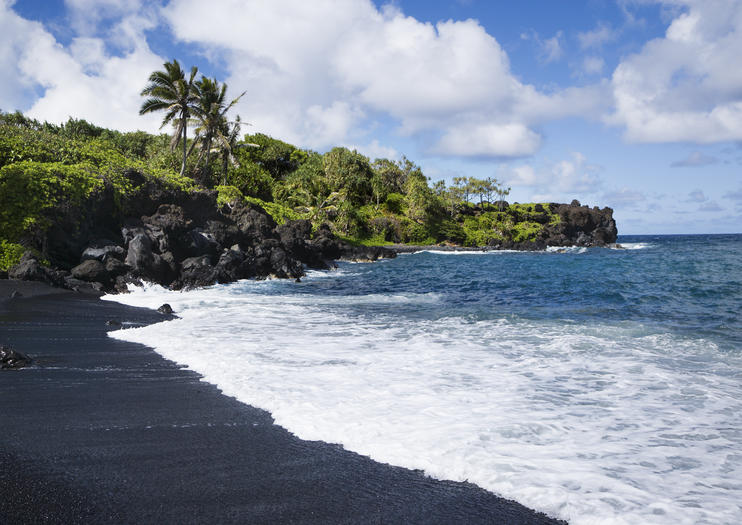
[29, 189]
[253, 181]
[10, 254]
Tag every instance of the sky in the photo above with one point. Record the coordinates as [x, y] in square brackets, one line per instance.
[632, 104]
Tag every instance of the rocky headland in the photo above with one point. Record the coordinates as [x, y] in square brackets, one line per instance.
[177, 239]
[185, 239]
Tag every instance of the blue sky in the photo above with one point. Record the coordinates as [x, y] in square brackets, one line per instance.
[633, 104]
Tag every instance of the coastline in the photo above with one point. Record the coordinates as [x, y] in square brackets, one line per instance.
[107, 431]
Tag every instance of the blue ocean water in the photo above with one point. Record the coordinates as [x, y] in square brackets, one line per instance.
[598, 385]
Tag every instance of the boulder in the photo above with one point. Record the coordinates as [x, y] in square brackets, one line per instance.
[91, 271]
[141, 258]
[169, 218]
[252, 221]
[131, 230]
[202, 243]
[295, 238]
[232, 265]
[165, 309]
[283, 265]
[196, 271]
[12, 359]
[79, 285]
[30, 269]
[115, 267]
[111, 251]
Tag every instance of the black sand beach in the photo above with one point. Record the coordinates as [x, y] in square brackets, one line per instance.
[104, 431]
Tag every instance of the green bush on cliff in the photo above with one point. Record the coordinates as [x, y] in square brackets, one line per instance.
[29, 190]
[525, 231]
[10, 254]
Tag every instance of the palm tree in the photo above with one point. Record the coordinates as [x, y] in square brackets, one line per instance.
[230, 144]
[213, 128]
[169, 91]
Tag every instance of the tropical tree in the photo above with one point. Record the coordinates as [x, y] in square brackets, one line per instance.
[170, 91]
[229, 145]
[213, 129]
[501, 193]
[346, 169]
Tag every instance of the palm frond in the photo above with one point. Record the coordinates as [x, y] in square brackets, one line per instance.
[153, 104]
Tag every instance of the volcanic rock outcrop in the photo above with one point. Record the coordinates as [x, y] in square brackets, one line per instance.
[182, 240]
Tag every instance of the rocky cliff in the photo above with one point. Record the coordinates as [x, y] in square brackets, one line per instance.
[184, 239]
[179, 240]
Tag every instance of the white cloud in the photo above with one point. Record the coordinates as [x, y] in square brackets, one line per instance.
[375, 150]
[573, 176]
[686, 85]
[423, 78]
[488, 140]
[107, 95]
[551, 48]
[695, 159]
[595, 38]
[86, 15]
[81, 81]
[593, 65]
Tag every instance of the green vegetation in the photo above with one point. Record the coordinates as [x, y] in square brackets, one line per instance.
[48, 171]
[10, 254]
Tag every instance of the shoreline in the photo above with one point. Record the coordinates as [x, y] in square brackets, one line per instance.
[105, 431]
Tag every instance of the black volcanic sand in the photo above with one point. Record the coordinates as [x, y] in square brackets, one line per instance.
[105, 431]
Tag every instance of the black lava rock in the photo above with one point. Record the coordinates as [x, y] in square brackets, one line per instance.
[12, 359]
[165, 309]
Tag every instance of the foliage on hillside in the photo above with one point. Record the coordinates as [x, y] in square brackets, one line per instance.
[45, 168]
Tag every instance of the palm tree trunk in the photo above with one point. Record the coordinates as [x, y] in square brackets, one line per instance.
[185, 152]
[207, 168]
[225, 159]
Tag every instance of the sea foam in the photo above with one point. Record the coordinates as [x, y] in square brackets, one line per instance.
[593, 423]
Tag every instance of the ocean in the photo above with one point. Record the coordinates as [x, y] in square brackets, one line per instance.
[597, 385]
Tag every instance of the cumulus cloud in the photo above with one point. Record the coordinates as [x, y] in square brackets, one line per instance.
[16, 89]
[506, 140]
[87, 15]
[375, 150]
[82, 80]
[572, 176]
[685, 86]
[443, 80]
[694, 160]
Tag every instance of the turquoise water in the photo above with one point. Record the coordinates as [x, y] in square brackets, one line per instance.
[597, 385]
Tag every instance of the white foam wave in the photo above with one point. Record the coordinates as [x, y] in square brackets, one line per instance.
[566, 249]
[594, 424]
[466, 252]
[636, 245]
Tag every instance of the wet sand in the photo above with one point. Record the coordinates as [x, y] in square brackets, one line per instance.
[104, 431]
